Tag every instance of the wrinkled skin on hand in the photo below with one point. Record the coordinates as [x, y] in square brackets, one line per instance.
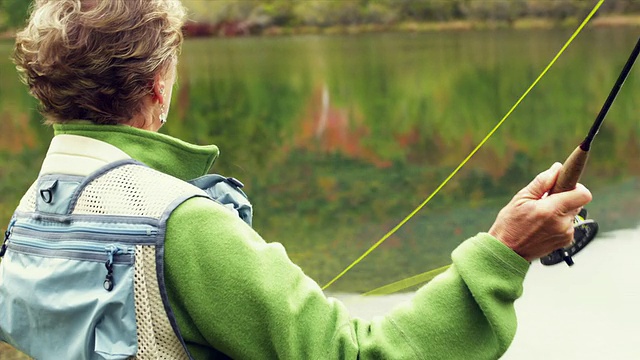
[533, 223]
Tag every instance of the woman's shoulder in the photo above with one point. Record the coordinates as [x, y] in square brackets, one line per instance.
[202, 217]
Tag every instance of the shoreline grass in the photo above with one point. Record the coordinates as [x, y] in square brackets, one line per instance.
[604, 21]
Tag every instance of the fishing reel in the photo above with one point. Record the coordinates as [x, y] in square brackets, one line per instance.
[584, 230]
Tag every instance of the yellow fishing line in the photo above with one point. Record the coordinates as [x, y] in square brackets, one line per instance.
[392, 231]
[408, 282]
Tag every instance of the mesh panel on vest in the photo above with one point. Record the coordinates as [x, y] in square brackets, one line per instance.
[168, 345]
[147, 349]
[119, 192]
[156, 339]
[28, 201]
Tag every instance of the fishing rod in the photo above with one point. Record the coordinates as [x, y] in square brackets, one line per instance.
[573, 167]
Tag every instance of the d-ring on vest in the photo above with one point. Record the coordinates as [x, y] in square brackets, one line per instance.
[82, 273]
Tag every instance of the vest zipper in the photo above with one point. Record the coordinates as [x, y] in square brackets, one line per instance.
[108, 280]
[7, 234]
[113, 253]
[85, 229]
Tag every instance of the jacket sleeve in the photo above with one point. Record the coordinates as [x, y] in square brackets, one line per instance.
[233, 292]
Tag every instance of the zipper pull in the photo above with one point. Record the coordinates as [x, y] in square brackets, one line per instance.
[108, 281]
[7, 234]
[3, 249]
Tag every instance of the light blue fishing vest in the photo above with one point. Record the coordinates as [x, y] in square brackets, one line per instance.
[82, 274]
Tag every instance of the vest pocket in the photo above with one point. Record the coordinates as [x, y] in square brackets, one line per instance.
[68, 299]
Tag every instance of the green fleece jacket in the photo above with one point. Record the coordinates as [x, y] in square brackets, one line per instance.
[236, 295]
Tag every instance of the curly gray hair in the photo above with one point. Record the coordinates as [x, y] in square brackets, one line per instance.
[97, 59]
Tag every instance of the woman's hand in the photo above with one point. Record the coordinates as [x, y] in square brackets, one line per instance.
[534, 223]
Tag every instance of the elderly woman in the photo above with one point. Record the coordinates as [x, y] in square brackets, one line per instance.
[113, 254]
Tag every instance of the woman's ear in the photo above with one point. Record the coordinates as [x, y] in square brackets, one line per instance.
[158, 90]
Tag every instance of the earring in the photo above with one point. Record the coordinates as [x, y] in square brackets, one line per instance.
[163, 115]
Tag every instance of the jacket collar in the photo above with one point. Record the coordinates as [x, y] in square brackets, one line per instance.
[161, 152]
